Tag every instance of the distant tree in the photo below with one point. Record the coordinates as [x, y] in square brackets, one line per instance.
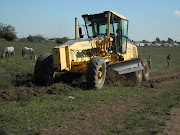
[158, 40]
[36, 38]
[30, 38]
[145, 41]
[39, 38]
[23, 39]
[59, 41]
[7, 32]
[163, 41]
[154, 42]
[1, 31]
[10, 36]
[62, 40]
[170, 41]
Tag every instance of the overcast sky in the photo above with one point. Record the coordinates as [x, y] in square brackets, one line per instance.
[148, 19]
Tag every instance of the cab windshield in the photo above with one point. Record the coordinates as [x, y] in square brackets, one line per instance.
[97, 25]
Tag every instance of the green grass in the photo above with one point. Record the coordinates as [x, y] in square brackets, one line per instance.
[12, 69]
[32, 115]
[158, 56]
[151, 118]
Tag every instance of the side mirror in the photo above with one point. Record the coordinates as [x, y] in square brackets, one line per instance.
[80, 33]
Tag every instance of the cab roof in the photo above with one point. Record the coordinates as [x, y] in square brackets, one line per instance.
[118, 15]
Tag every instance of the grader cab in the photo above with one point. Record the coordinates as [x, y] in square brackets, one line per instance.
[106, 47]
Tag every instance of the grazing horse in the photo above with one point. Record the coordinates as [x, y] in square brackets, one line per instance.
[29, 51]
[7, 51]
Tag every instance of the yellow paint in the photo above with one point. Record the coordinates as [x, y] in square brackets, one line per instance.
[61, 58]
[117, 14]
[56, 58]
[65, 56]
[131, 52]
[108, 27]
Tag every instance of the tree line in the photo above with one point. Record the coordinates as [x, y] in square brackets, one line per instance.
[8, 32]
[169, 40]
[157, 40]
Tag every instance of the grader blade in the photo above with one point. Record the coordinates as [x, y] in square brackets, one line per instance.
[127, 66]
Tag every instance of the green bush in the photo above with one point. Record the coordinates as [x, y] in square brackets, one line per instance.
[9, 36]
[36, 38]
[62, 40]
[7, 32]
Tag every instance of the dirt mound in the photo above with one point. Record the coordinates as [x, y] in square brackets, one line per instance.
[32, 93]
[115, 79]
[112, 78]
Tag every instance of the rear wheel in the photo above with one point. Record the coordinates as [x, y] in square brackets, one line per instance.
[43, 70]
[145, 72]
[96, 73]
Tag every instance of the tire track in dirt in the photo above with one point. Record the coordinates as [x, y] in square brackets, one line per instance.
[115, 79]
[164, 76]
[112, 78]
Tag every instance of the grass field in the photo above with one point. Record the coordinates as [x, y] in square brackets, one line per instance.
[110, 110]
[17, 69]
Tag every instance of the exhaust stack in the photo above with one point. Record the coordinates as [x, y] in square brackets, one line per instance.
[76, 28]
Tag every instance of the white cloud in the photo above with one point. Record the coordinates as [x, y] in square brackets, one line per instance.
[177, 13]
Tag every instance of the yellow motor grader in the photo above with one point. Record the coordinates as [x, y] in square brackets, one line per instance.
[106, 47]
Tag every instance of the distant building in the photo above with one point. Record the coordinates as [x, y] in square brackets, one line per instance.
[166, 44]
[139, 44]
[157, 44]
[171, 45]
[176, 44]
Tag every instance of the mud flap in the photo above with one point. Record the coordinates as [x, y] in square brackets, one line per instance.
[127, 66]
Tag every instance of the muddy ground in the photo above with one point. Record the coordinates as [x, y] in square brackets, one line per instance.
[95, 119]
[112, 78]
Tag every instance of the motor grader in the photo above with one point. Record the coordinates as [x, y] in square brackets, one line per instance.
[106, 47]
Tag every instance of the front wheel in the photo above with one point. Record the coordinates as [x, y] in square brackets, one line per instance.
[96, 73]
[145, 72]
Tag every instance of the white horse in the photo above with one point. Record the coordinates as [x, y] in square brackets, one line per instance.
[29, 51]
[7, 51]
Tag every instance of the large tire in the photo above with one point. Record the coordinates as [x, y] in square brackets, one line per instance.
[96, 73]
[43, 70]
[145, 72]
